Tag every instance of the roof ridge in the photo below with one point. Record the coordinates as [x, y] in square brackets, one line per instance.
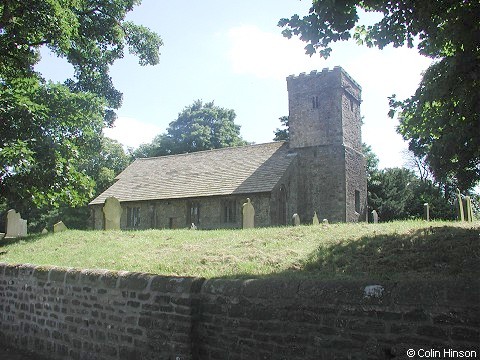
[228, 148]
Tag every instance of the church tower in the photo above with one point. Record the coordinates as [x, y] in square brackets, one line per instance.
[325, 133]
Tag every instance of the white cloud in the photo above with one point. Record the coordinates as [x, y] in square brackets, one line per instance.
[381, 73]
[267, 55]
[131, 132]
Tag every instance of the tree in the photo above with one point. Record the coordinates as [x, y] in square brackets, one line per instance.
[48, 130]
[392, 194]
[440, 120]
[198, 127]
[282, 134]
[371, 160]
[399, 193]
[101, 167]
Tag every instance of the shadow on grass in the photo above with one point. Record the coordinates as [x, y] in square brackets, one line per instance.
[29, 238]
[430, 253]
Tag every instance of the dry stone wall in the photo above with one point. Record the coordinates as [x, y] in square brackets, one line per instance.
[70, 314]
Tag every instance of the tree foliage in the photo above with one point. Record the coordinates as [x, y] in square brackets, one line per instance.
[51, 134]
[441, 120]
[198, 127]
[283, 133]
[399, 193]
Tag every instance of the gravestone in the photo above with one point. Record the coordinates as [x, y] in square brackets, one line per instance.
[295, 220]
[468, 209]
[426, 212]
[59, 227]
[112, 212]
[44, 231]
[248, 212]
[193, 227]
[375, 216]
[16, 226]
[325, 221]
[315, 219]
[22, 228]
[459, 207]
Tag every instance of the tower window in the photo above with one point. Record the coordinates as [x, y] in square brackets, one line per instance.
[315, 102]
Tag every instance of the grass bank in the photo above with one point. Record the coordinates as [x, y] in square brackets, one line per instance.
[397, 250]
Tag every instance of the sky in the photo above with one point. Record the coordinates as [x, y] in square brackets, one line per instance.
[232, 52]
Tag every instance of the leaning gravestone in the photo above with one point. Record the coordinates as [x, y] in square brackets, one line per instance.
[459, 207]
[112, 211]
[315, 219]
[375, 216]
[295, 220]
[248, 212]
[468, 209]
[16, 226]
[59, 227]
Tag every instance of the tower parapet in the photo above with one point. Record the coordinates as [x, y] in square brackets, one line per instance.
[324, 109]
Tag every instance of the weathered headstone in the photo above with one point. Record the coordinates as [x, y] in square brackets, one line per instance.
[315, 219]
[22, 228]
[44, 231]
[59, 227]
[468, 209]
[248, 212]
[459, 206]
[112, 211]
[16, 226]
[426, 212]
[295, 220]
[375, 216]
[325, 221]
[193, 226]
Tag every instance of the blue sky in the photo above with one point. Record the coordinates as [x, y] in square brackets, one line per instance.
[232, 52]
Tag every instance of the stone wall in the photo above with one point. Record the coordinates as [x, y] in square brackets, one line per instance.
[321, 183]
[311, 319]
[96, 315]
[118, 315]
[165, 214]
[356, 181]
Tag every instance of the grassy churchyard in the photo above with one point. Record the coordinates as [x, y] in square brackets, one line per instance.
[396, 250]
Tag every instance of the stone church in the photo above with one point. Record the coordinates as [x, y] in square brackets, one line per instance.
[321, 169]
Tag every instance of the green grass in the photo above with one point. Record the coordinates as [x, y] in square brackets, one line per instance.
[397, 250]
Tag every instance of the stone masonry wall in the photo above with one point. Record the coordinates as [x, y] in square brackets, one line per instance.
[69, 314]
[321, 183]
[356, 180]
[156, 214]
[312, 319]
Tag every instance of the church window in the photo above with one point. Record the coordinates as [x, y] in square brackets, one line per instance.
[230, 211]
[133, 217]
[315, 102]
[193, 216]
[357, 201]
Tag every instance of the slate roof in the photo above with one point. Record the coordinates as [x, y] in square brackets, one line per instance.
[239, 170]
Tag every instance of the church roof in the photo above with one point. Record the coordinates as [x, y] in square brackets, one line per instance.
[237, 170]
